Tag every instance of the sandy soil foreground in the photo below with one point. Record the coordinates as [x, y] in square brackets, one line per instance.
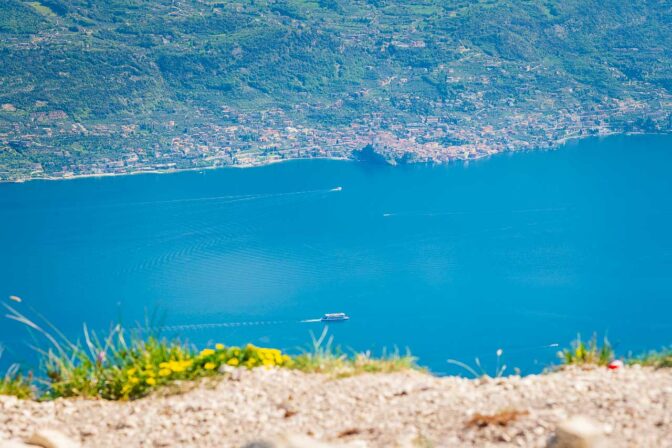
[632, 406]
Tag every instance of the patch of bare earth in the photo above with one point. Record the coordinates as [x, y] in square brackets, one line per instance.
[631, 406]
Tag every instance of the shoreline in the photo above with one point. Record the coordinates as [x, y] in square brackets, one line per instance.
[168, 171]
[557, 146]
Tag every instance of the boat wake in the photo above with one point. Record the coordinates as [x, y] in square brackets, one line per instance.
[207, 326]
[222, 200]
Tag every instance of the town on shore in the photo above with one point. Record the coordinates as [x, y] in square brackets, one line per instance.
[257, 138]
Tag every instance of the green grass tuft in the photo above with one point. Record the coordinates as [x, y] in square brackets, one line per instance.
[590, 353]
[658, 359]
[478, 371]
[14, 383]
[324, 358]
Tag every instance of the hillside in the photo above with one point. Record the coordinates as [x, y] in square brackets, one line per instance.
[135, 85]
[629, 408]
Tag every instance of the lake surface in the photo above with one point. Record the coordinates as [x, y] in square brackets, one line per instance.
[516, 252]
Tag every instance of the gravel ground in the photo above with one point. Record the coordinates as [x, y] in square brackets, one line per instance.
[632, 405]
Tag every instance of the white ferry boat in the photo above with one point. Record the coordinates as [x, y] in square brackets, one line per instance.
[334, 317]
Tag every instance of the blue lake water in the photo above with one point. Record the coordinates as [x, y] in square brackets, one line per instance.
[515, 252]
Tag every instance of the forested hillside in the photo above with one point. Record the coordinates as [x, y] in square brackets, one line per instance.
[114, 86]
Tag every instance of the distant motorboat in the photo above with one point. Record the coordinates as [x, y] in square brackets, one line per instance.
[337, 189]
[334, 317]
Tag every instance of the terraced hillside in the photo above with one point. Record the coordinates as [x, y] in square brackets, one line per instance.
[117, 86]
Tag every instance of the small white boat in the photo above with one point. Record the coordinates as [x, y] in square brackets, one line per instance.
[337, 189]
[334, 317]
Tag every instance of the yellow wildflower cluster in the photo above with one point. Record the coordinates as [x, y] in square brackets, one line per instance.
[270, 356]
[154, 365]
[170, 367]
[249, 357]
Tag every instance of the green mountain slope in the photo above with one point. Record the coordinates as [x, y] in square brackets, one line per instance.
[125, 85]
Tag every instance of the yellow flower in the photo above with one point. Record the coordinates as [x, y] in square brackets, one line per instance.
[210, 365]
[233, 362]
[164, 372]
[179, 366]
[131, 371]
[164, 365]
[207, 352]
[134, 380]
[219, 346]
[277, 356]
[150, 381]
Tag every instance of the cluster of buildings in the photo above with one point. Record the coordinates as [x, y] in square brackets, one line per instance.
[57, 147]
